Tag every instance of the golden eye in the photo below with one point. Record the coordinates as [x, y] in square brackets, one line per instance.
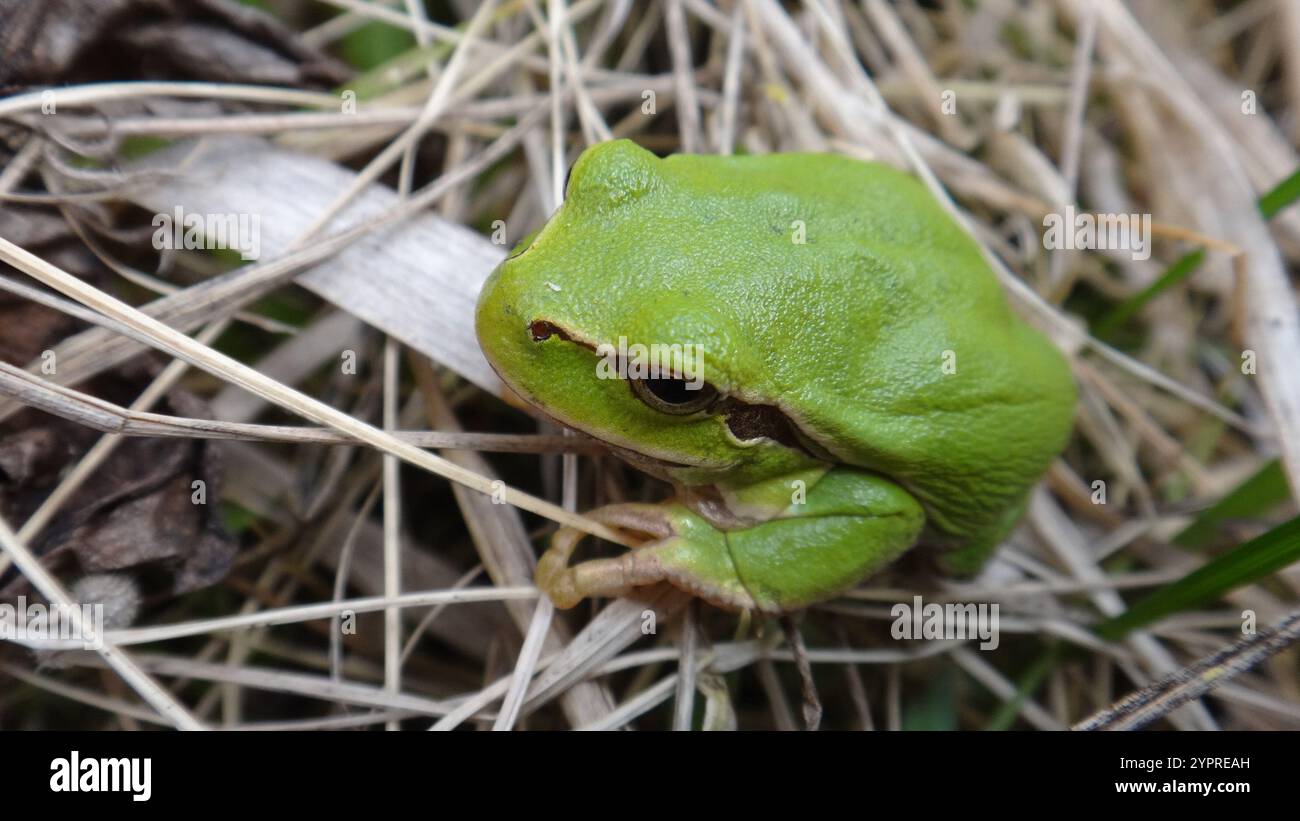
[675, 396]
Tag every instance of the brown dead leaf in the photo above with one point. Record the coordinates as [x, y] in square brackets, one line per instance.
[67, 41]
[151, 505]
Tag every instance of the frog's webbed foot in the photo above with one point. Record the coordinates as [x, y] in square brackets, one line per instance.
[676, 549]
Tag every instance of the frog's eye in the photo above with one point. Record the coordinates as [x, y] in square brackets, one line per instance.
[675, 396]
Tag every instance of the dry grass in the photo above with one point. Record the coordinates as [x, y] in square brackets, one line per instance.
[1101, 106]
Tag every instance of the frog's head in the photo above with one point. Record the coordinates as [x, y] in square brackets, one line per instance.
[605, 320]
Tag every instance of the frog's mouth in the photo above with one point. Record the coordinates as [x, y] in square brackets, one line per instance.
[654, 465]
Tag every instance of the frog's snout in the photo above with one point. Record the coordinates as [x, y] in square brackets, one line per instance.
[510, 324]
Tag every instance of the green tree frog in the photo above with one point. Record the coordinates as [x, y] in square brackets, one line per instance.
[841, 376]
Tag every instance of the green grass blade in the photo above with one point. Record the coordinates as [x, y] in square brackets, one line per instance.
[1249, 562]
[937, 707]
[375, 43]
[1174, 274]
[1256, 496]
[1285, 193]
[1029, 684]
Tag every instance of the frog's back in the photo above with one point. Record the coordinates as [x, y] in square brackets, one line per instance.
[897, 349]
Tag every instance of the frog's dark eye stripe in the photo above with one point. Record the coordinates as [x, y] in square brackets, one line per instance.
[760, 421]
[564, 192]
[674, 396]
[747, 422]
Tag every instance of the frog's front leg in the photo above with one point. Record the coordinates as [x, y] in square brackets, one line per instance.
[681, 548]
[850, 524]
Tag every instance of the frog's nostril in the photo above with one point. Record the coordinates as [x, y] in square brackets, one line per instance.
[542, 330]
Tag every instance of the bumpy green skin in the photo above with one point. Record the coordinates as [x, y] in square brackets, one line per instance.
[846, 334]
